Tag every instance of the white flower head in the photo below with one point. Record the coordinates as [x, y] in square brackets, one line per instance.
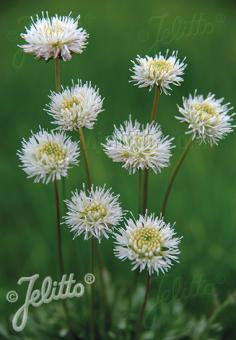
[75, 107]
[208, 118]
[47, 156]
[149, 243]
[54, 37]
[161, 71]
[139, 146]
[93, 213]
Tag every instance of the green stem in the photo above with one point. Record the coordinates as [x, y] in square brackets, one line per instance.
[103, 288]
[140, 175]
[57, 74]
[58, 223]
[58, 87]
[174, 174]
[146, 171]
[92, 244]
[59, 245]
[145, 190]
[59, 238]
[85, 154]
[142, 311]
[155, 103]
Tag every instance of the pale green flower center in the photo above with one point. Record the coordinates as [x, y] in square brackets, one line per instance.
[69, 103]
[54, 29]
[139, 145]
[146, 241]
[52, 150]
[158, 68]
[94, 211]
[205, 110]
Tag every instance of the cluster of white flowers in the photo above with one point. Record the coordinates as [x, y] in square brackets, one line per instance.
[139, 147]
[55, 37]
[161, 71]
[75, 107]
[208, 118]
[148, 242]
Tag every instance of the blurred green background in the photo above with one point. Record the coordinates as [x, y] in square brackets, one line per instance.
[203, 200]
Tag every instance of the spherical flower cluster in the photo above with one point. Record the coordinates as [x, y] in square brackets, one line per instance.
[208, 118]
[54, 37]
[161, 71]
[149, 243]
[139, 147]
[93, 213]
[48, 156]
[75, 107]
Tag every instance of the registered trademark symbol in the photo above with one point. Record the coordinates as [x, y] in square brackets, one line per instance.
[89, 278]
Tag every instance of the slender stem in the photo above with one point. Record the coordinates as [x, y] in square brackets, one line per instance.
[85, 154]
[59, 238]
[146, 172]
[174, 174]
[58, 220]
[155, 103]
[57, 74]
[145, 191]
[142, 311]
[102, 269]
[134, 281]
[140, 173]
[64, 191]
[92, 245]
[58, 87]
[59, 249]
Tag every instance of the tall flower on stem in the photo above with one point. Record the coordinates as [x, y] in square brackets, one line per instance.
[94, 213]
[56, 37]
[160, 72]
[209, 120]
[139, 147]
[47, 157]
[150, 244]
[76, 108]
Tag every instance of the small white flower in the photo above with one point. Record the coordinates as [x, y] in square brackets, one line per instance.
[75, 107]
[149, 243]
[162, 71]
[54, 37]
[48, 156]
[93, 213]
[139, 147]
[208, 118]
